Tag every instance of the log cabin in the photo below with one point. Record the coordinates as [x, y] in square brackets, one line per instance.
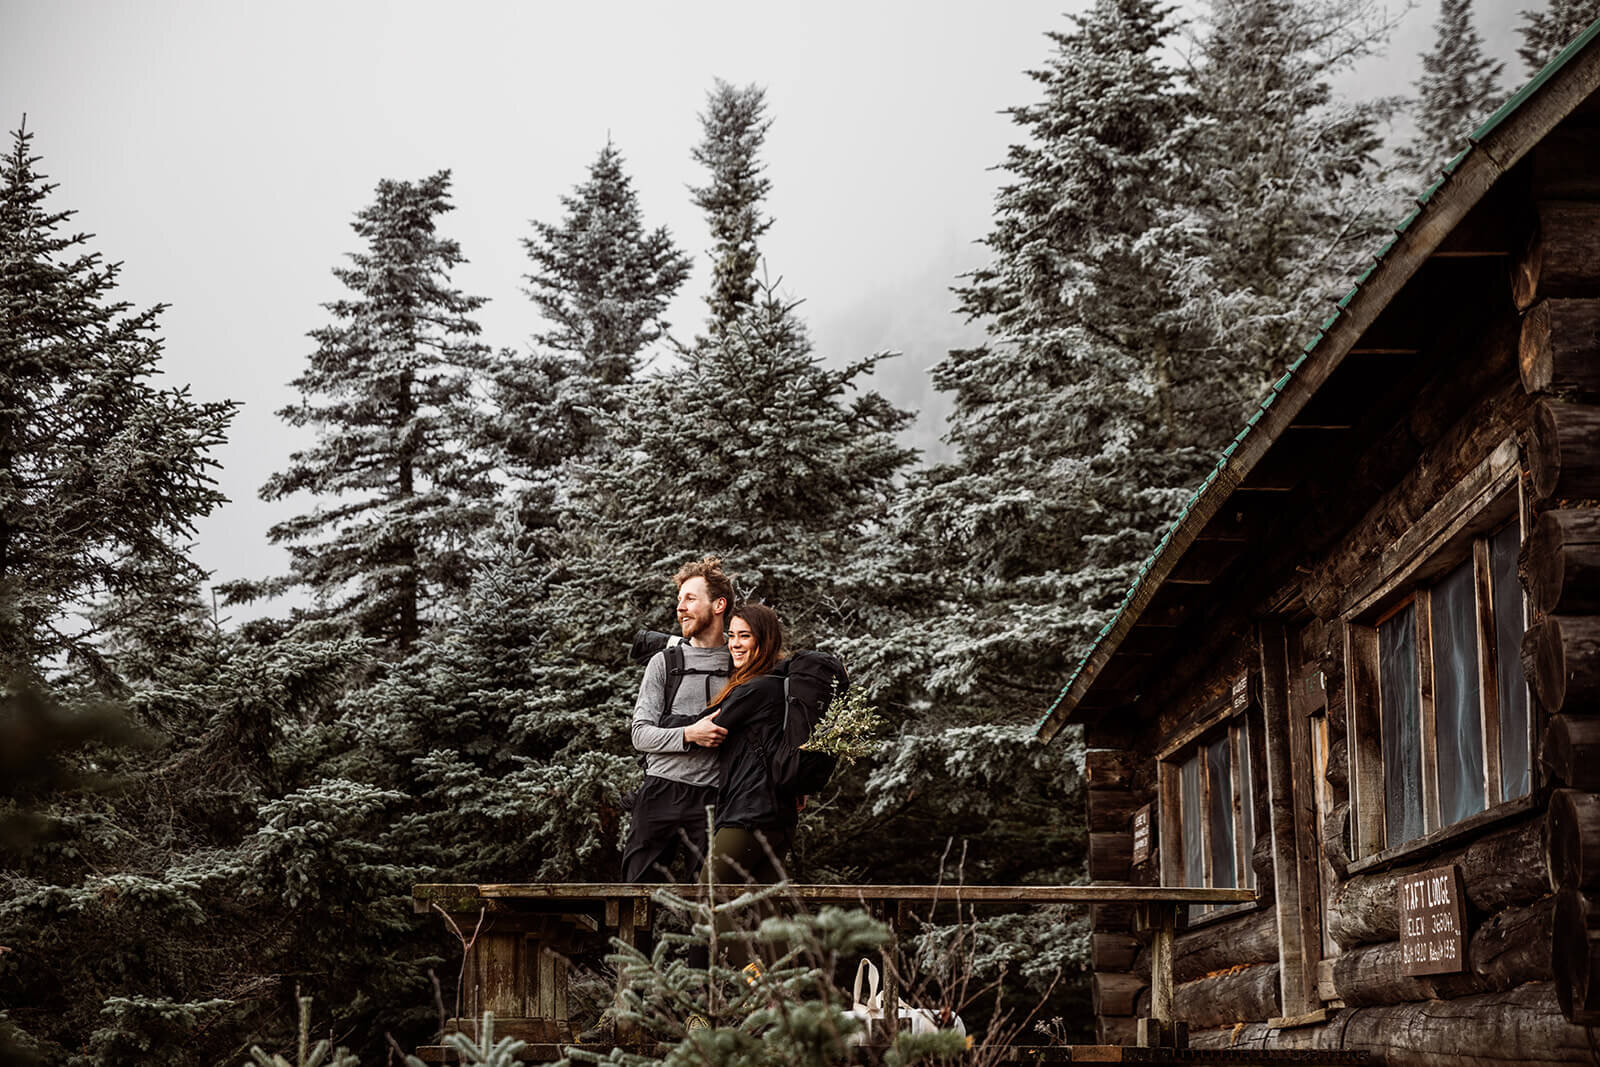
[1361, 671]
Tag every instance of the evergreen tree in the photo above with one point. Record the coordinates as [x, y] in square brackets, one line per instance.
[1458, 89]
[602, 282]
[1288, 199]
[1545, 33]
[101, 471]
[735, 126]
[1070, 453]
[389, 389]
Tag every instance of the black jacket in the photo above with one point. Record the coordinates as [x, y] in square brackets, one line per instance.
[753, 716]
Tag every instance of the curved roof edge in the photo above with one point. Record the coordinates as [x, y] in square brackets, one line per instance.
[1492, 149]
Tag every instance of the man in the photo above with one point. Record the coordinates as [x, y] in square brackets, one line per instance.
[680, 774]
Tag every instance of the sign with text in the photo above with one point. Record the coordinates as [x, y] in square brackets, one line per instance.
[1241, 692]
[1432, 922]
[1141, 834]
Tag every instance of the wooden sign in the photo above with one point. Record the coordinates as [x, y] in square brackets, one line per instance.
[1141, 834]
[1432, 922]
[1241, 692]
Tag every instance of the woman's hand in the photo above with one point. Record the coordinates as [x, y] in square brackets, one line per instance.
[704, 732]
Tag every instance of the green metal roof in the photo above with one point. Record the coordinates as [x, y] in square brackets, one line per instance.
[1505, 111]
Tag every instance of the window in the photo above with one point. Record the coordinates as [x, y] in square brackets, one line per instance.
[1438, 704]
[1208, 808]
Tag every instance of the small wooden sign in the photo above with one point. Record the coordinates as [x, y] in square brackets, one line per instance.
[1432, 922]
[1141, 834]
[1241, 692]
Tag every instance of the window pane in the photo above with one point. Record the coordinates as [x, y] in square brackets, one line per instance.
[1457, 716]
[1399, 707]
[1194, 871]
[1220, 793]
[1516, 768]
[1247, 815]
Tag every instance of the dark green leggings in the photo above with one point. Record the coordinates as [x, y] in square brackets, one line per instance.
[738, 856]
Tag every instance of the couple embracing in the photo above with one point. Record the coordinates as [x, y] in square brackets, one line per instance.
[709, 715]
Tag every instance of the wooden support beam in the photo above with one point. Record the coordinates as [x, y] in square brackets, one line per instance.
[1291, 804]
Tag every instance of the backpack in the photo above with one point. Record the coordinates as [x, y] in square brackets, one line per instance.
[811, 681]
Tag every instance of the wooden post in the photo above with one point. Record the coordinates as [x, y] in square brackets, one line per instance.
[623, 1031]
[1160, 1028]
[1292, 806]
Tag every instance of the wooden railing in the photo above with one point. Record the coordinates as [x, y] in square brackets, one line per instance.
[517, 963]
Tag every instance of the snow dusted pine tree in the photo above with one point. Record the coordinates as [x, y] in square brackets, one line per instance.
[102, 473]
[1459, 88]
[735, 127]
[1287, 200]
[389, 392]
[1068, 456]
[602, 284]
[1545, 33]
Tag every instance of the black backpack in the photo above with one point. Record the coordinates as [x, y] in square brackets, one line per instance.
[811, 681]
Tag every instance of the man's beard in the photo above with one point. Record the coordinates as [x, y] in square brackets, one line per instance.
[695, 624]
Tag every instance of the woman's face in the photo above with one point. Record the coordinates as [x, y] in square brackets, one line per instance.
[741, 642]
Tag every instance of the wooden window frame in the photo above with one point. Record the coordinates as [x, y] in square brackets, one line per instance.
[1235, 723]
[1454, 531]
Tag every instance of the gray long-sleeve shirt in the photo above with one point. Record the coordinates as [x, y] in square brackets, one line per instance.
[666, 754]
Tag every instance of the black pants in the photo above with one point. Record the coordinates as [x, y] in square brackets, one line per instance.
[739, 854]
[667, 815]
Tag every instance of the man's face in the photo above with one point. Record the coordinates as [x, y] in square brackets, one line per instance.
[697, 615]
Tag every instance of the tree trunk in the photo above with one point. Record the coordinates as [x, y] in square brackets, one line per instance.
[1564, 451]
[1561, 562]
[1501, 871]
[1575, 956]
[1519, 1026]
[1573, 832]
[1571, 753]
[1561, 659]
[1562, 260]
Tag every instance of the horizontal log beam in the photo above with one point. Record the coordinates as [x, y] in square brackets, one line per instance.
[1116, 994]
[1571, 751]
[1563, 259]
[1238, 995]
[1559, 351]
[1108, 768]
[1575, 956]
[1561, 562]
[1561, 660]
[1518, 1026]
[1572, 829]
[1505, 869]
[1564, 451]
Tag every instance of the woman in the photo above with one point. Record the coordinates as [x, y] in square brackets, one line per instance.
[754, 825]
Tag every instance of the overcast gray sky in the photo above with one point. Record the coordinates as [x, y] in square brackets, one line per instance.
[220, 150]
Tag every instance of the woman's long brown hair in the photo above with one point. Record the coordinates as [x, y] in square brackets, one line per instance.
[768, 632]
